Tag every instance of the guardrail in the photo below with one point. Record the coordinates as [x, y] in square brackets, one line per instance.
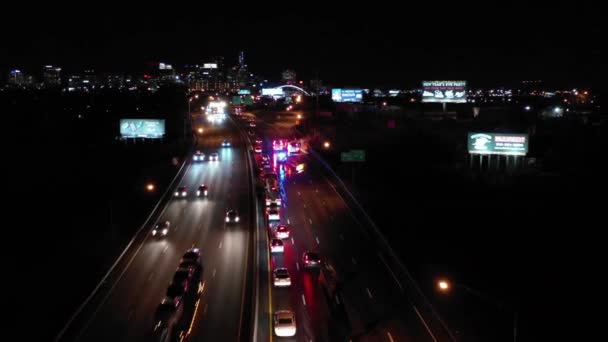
[408, 285]
[104, 279]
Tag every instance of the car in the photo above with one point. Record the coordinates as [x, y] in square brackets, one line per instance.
[226, 143]
[232, 216]
[175, 290]
[251, 133]
[182, 191]
[282, 232]
[276, 246]
[279, 145]
[167, 316]
[284, 323]
[281, 277]
[257, 148]
[161, 229]
[273, 214]
[192, 255]
[272, 197]
[198, 156]
[202, 190]
[259, 140]
[187, 278]
[311, 260]
[214, 156]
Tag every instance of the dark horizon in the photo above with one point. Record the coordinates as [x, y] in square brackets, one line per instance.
[373, 51]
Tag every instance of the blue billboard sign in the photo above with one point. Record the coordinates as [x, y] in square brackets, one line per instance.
[346, 95]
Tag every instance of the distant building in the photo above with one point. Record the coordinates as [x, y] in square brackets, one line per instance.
[16, 78]
[166, 73]
[51, 76]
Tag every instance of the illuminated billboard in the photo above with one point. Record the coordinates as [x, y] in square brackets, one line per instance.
[244, 92]
[444, 91]
[498, 143]
[272, 91]
[142, 128]
[210, 66]
[346, 95]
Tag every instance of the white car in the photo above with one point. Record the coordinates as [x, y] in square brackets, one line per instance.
[281, 277]
[282, 232]
[198, 156]
[182, 191]
[284, 323]
[214, 156]
[276, 246]
[273, 215]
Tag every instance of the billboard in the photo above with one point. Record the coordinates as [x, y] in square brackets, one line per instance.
[272, 91]
[244, 92]
[444, 91]
[142, 128]
[210, 66]
[346, 95]
[498, 143]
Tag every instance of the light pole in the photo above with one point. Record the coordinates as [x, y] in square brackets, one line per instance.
[445, 286]
[188, 114]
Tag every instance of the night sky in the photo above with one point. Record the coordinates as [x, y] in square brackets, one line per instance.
[376, 47]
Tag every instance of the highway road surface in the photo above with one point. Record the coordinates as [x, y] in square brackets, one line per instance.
[370, 305]
[125, 309]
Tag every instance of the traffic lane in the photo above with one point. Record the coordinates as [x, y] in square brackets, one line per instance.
[373, 291]
[133, 293]
[294, 297]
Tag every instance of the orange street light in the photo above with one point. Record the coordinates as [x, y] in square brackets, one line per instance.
[150, 187]
[326, 144]
[443, 285]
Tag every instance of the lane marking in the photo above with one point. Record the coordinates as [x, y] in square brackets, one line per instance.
[213, 274]
[317, 238]
[151, 275]
[220, 245]
[292, 242]
[390, 337]
[310, 220]
[353, 260]
[297, 266]
[288, 221]
[303, 300]
[304, 205]
[299, 194]
[317, 190]
[391, 272]
[424, 323]
[165, 249]
[205, 309]
[369, 293]
[337, 300]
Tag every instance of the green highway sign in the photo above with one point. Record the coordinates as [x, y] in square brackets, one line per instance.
[498, 143]
[353, 156]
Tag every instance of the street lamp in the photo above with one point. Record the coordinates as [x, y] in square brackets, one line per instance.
[150, 187]
[326, 144]
[444, 286]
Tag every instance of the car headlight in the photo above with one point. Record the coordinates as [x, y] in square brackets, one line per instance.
[176, 193]
[237, 219]
[198, 193]
[165, 231]
[154, 232]
[227, 219]
[205, 192]
[184, 193]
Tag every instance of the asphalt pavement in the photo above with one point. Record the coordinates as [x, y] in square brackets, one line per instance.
[370, 305]
[126, 311]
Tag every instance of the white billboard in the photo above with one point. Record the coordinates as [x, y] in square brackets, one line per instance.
[272, 91]
[444, 91]
[210, 66]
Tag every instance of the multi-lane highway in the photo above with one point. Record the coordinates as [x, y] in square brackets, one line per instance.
[125, 311]
[371, 305]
